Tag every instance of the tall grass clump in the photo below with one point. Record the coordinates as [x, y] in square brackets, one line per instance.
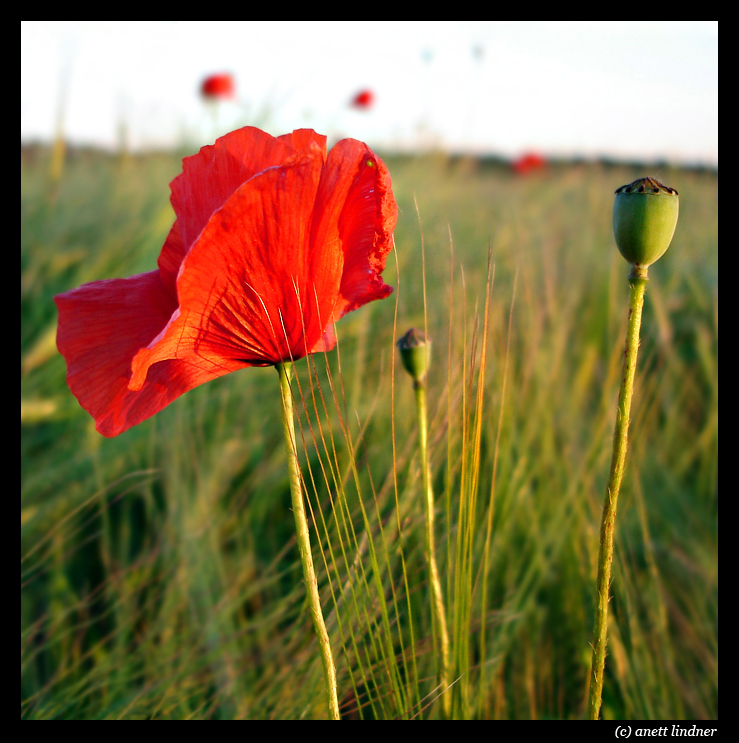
[160, 576]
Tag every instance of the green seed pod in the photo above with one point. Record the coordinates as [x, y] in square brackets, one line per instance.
[415, 352]
[644, 220]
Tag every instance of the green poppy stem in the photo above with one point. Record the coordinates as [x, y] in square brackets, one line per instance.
[303, 534]
[437, 600]
[638, 285]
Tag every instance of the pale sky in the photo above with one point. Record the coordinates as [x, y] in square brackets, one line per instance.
[630, 89]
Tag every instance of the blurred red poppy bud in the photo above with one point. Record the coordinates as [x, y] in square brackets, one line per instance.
[218, 86]
[363, 99]
[528, 163]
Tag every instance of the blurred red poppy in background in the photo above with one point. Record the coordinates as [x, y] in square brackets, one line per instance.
[218, 86]
[529, 163]
[364, 99]
[274, 240]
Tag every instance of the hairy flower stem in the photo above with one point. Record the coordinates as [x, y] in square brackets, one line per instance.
[638, 285]
[301, 527]
[437, 600]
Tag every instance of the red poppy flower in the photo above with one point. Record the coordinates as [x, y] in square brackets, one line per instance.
[528, 163]
[218, 86]
[275, 239]
[363, 99]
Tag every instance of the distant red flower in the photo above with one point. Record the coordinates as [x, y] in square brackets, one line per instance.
[274, 240]
[364, 99]
[218, 86]
[528, 163]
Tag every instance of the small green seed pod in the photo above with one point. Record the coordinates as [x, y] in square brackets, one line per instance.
[415, 352]
[644, 220]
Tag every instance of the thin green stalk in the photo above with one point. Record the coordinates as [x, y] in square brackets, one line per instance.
[638, 285]
[437, 599]
[301, 527]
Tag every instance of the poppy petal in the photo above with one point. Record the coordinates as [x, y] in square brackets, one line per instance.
[355, 210]
[301, 138]
[243, 289]
[210, 177]
[327, 341]
[101, 326]
[171, 257]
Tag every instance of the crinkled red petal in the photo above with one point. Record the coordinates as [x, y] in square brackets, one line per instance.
[355, 209]
[101, 327]
[247, 289]
[211, 176]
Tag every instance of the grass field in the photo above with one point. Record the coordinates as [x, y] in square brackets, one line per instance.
[159, 573]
